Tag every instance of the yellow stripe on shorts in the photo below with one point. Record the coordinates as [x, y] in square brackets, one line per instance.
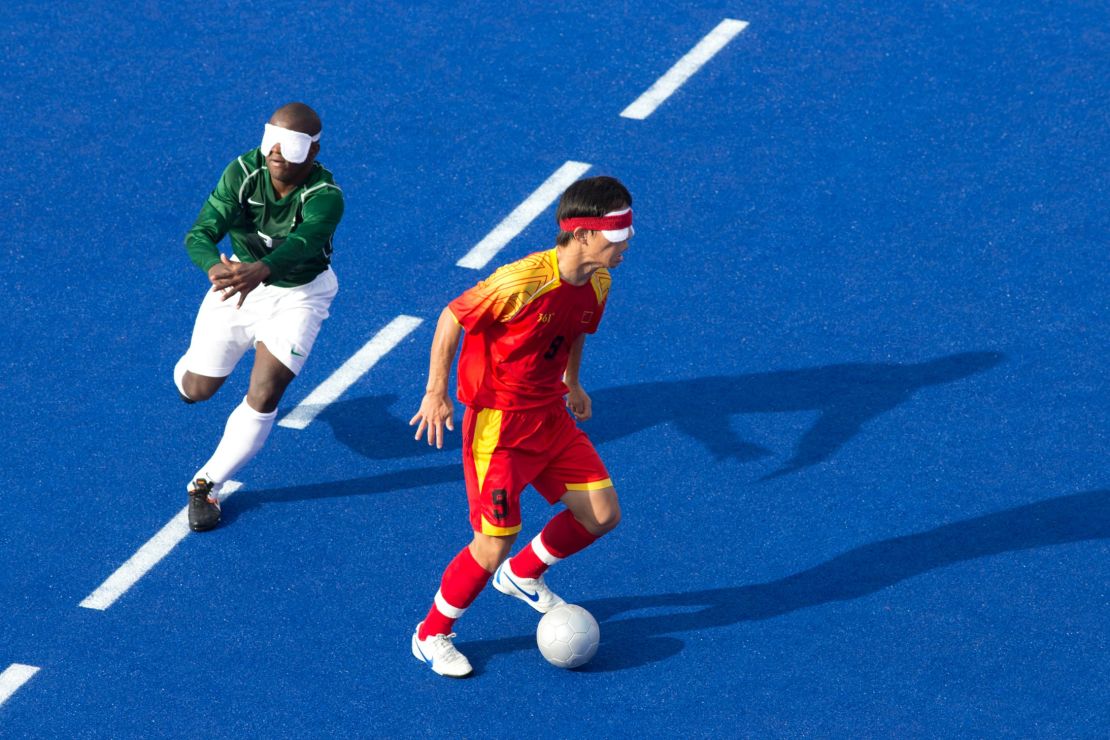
[596, 485]
[496, 531]
[487, 432]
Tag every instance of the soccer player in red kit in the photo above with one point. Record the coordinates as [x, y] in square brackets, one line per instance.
[523, 330]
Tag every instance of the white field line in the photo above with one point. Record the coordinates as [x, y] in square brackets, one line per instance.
[13, 677]
[147, 556]
[522, 215]
[684, 68]
[349, 372]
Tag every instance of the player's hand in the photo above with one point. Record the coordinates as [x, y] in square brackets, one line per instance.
[218, 271]
[436, 412]
[579, 403]
[241, 278]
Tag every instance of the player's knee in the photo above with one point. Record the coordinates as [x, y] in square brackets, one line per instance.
[607, 520]
[197, 396]
[198, 388]
[601, 518]
[490, 551]
[264, 397]
[608, 513]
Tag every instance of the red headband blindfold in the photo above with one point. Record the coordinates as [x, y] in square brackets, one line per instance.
[598, 223]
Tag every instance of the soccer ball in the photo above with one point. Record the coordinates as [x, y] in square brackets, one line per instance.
[568, 636]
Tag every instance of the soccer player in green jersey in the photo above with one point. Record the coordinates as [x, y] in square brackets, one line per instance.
[280, 208]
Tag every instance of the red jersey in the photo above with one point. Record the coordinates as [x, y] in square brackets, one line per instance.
[520, 323]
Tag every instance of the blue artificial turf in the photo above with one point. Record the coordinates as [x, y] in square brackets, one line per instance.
[850, 384]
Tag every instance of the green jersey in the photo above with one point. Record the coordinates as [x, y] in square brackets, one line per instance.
[292, 235]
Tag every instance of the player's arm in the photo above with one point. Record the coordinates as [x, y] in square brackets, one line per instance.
[578, 401]
[436, 410]
[215, 218]
[491, 300]
[310, 237]
[321, 214]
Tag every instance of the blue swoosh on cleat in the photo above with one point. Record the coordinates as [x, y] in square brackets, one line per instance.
[531, 597]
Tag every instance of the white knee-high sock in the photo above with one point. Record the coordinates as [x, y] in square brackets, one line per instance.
[179, 371]
[244, 435]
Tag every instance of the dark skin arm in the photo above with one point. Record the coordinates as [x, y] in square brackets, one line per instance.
[237, 277]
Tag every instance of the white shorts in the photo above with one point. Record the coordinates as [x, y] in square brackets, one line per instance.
[286, 320]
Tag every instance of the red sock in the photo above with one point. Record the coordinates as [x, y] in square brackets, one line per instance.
[562, 537]
[462, 581]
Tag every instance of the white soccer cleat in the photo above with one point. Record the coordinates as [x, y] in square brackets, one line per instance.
[439, 653]
[532, 591]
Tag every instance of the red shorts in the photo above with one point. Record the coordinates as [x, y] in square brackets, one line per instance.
[504, 451]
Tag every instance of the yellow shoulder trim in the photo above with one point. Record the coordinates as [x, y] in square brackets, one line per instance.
[526, 270]
[519, 283]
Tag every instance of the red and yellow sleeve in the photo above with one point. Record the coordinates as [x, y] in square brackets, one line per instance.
[500, 297]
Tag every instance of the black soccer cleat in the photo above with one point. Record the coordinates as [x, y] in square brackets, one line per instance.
[204, 507]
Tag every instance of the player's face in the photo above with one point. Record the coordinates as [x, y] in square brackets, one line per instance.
[280, 168]
[601, 250]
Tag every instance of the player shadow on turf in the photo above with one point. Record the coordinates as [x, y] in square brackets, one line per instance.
[385, 483]
[846, 396]
[366, 426]
[632, 641]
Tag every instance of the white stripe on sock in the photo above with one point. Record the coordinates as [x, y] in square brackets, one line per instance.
[446, 609]
[542, 552]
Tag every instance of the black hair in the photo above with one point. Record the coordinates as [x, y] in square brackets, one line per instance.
[590, 198]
